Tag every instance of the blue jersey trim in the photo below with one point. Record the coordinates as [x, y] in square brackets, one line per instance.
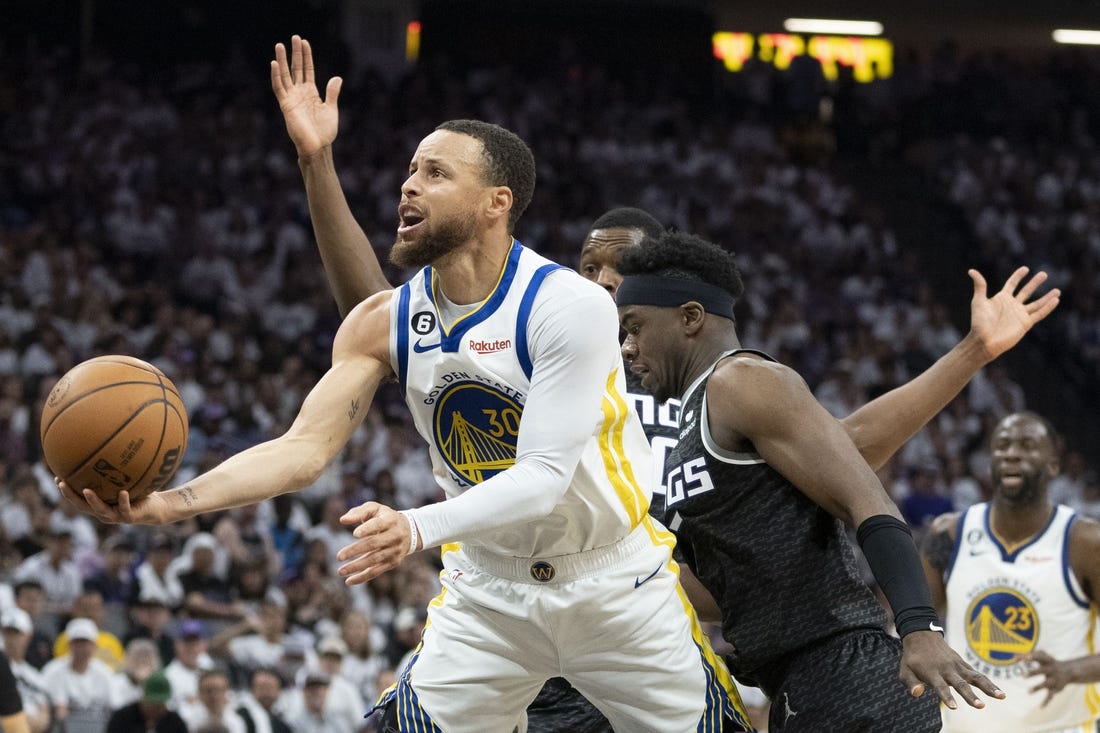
[958, 544]
[1066, 569]
[1011, 556]
[402, 329]
[524, 315]
[451, 338]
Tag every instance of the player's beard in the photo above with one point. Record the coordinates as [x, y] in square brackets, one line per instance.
[1032, 489]
[435, 243]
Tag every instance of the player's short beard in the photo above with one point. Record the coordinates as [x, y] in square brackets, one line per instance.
[1031, 491]
[435, 243]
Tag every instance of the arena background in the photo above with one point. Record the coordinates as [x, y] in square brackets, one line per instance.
[841, 199]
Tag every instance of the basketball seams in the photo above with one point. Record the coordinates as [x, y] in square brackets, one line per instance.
[163, 431]
[98, 444]
[70, 401]
[122, 426]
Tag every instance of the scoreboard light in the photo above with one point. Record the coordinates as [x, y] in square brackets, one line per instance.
[833, 27]
[412, 40]
[869, 58]
[1080, 37]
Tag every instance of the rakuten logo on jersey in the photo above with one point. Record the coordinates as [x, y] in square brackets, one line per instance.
[489, 347]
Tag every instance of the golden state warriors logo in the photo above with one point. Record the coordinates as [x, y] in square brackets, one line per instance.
[1000, 625]
[542, 571]
[475, 430]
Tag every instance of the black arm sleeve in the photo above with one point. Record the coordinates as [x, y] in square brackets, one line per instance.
[10, 702]
[888, 546]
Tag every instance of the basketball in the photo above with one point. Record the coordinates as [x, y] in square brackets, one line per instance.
[114, 423]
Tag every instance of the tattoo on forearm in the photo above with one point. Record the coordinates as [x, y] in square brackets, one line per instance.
[187, 494]
[353, 410]
[937, 547]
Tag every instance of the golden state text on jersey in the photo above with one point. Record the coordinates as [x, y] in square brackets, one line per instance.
[475, 427]
[467, 380]
[468, 374]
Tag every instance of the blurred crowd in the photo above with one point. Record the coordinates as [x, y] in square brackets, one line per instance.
[162, 215]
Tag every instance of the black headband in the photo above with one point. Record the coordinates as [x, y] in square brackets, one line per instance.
[671, 292]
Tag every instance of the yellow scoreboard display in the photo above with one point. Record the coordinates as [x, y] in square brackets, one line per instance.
[869, 58]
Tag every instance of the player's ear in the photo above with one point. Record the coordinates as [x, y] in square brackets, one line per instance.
[692, 316]
[500, 202]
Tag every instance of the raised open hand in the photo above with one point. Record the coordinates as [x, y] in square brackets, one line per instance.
[311, 121]
[1001, 321]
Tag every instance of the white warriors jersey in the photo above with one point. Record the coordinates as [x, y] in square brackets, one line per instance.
[1004, 602]
[466, 384]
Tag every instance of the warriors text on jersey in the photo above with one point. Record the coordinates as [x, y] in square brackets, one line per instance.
[1005, 602]
[770, 540]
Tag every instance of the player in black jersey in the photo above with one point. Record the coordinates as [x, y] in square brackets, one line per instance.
[758, 489]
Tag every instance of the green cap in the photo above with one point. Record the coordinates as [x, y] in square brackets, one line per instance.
[157, 688]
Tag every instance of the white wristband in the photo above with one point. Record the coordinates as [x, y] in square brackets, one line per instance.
[414, 533]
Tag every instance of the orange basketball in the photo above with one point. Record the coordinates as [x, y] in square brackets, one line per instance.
[114, 423]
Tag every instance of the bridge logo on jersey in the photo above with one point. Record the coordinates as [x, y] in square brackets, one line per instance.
[475, 430]
[542, 571]
[1000, 625]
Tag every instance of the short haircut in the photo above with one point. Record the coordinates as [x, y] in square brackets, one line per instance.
[684, 256]
[272, 671]
[27, 583]
[628, 217]
[508, 161]
[1052, 433]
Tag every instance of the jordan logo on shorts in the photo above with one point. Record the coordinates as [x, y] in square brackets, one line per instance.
[787, 712]
[542, 571]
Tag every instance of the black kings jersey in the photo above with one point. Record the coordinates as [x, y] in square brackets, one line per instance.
[660, 423]
[780, 567]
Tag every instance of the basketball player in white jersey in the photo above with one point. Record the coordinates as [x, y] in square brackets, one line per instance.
[510, 366]
[1016, 580]
[354, 274]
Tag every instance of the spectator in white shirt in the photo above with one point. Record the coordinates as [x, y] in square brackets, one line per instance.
[16, 627]
[79, 681]
[191, 659]
[311, 713]
[152, 575]
[54, 569]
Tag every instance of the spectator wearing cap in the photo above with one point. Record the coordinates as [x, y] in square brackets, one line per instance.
[16, 628]
[206, 593]
[150, 713]
[257, 707]
[115, 579]
[213, 705]
[141, 661]
[54, 568]
[152, 574]
[30, 597]
[191, 659]
[149, 617]
[79, 681]
[344, 701]
[89, 605]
